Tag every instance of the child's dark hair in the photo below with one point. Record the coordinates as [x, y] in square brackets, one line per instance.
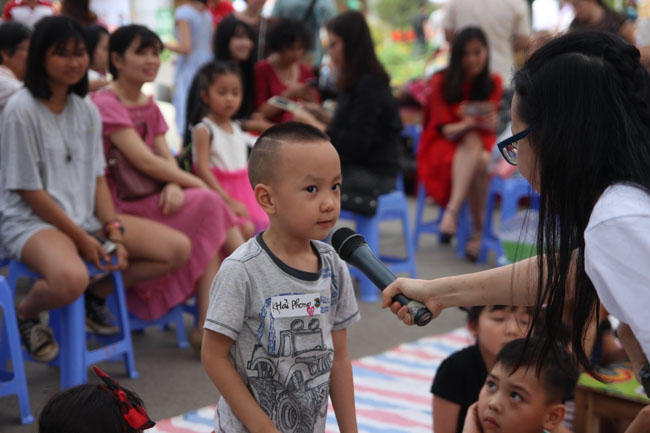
[285, 32]
[229, 28]
[474, 312]
[12, 33]
[124, 36]
[48, 32]
[76, 409]
[93, 34]
[482, 85]
[205, 77]
[265, 155]
[558, 370]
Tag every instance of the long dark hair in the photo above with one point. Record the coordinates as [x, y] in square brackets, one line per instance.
[482, 85]
[359, 56]
[221, 46]
[584, 97]
[93, 34]
[79, 10]
[48, 32]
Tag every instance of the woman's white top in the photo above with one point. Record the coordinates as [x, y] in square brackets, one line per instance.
[617, 256]
[228, 152]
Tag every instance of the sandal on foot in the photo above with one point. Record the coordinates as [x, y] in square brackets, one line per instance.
[38, 340]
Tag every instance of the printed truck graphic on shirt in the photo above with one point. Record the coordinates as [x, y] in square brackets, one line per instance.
[294, 404]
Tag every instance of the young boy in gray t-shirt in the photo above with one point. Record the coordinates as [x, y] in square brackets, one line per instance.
[276, 343]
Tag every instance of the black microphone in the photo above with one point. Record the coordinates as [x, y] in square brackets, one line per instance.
[353, 249]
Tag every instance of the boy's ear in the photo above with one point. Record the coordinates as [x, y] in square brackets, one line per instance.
[264, 198]
[554, 416]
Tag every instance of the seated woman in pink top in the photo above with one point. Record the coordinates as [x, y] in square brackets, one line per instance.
[283, 73]
[134, 125]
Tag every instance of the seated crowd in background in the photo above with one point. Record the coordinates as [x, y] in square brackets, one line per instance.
[59, 192]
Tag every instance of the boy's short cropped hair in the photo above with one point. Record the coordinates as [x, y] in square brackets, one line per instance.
[12, 33]
[264, 158]
[556, 369]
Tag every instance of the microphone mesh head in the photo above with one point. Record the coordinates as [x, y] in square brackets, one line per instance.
[345, 241]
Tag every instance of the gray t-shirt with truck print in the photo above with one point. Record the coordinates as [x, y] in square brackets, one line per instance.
[281, 320]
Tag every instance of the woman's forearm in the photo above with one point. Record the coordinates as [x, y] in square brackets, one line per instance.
[515, 284]
[104, 208]
[453, 131]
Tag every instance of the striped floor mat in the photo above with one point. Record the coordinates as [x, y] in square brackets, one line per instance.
[391, 389]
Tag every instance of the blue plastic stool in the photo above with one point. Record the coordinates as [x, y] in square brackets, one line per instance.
[175, 316]
[392, 205]
[511, 191]
[69, 325]
[12, 382]
[463, 230]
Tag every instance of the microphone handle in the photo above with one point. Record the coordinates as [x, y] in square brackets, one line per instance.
[367, 262]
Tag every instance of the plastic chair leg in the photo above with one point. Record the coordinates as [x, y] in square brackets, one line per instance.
[463, 230]
[129, 358]
[73, 350]
[11, 346]
[419, 211]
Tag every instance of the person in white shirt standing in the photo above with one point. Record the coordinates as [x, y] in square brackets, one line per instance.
[506, 24]
[14, 45]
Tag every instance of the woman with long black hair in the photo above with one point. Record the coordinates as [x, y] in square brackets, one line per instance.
[581, 124]
[366, 124]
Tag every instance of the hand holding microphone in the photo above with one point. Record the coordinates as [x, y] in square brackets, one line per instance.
[353, 249]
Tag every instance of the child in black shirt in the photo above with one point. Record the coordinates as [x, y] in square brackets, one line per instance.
[460, 377]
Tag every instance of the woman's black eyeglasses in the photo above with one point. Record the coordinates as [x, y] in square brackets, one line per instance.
[508, 147]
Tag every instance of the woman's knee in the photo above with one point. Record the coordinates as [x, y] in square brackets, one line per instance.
[471, 140]
[68, 281]
[178, 249]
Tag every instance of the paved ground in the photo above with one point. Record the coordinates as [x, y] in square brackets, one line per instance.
[173, 382]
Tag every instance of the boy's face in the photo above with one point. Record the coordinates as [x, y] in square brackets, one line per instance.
[306, 190]
[516, 403]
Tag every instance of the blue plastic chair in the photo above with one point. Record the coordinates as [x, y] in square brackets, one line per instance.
[12, 381]
[69, 325]
[174, 316]
[511, 191]
[390, 206]
[463, 230]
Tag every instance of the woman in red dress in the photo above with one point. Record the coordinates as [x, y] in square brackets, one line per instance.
[460, 121]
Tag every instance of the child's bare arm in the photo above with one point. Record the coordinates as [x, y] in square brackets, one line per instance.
[341, 384]
[641, 423]
[214, 356]
[201, 143]
[445, 415]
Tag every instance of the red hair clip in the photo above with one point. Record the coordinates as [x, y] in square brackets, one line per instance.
[135, 416]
